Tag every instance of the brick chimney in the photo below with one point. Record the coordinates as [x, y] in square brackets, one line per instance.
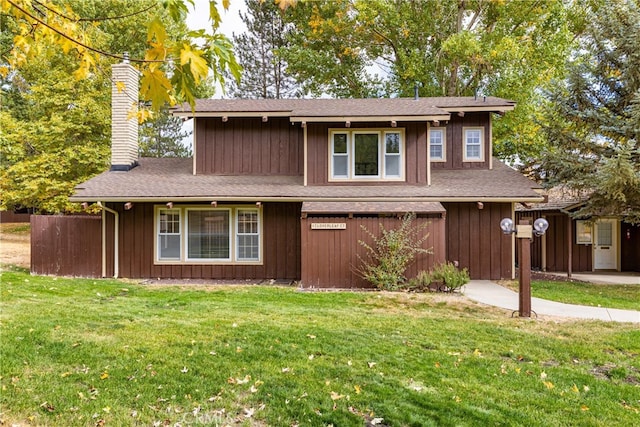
[124, 104]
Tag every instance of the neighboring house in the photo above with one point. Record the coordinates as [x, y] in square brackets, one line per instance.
[281, 189]
[580, 244]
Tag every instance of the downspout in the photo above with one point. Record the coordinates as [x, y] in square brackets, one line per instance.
[116, 253]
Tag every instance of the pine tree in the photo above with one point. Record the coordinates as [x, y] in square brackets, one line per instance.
[163, 136]
[594, 116]
[265, 71]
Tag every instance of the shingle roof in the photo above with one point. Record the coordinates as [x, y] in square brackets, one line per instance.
[559, 198]
[438, 107]
[173, 180]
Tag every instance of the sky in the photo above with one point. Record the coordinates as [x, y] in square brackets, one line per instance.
[198, 18]
[231, 22]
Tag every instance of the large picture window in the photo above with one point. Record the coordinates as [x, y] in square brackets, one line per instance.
[474, 144]
[367, 154]
[194, 234]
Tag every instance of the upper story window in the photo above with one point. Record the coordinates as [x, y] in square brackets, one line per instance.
[473, 144]
[194, 234]
[437, 144]
[366, 154]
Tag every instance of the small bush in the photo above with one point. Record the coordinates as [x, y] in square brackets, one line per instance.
[451, 277]
[420, 283]
[391, 252]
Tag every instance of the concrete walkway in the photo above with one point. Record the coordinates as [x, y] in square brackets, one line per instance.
[491, 293]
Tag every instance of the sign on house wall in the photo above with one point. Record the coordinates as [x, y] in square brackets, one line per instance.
[328, 225]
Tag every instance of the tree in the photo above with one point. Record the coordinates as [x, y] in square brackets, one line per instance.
[55, 123]
[593, 116]
[163, 136]
[367, 48]
[170, 68]
[258, 50]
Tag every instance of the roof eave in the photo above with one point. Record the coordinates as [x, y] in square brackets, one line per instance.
[203, 199]
[385, 118]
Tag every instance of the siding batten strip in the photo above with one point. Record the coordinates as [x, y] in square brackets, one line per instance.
[305, 154]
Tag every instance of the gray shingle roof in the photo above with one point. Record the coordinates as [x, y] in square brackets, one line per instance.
[173, 180]
[438, 107]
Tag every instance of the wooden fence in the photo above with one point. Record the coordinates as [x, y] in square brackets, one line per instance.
[66, 245]
[10, 216]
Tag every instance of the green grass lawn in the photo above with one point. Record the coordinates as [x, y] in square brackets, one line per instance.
[611, 296]
[104, 352]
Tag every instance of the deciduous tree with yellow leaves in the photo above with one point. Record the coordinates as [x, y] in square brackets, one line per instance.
[55, 84]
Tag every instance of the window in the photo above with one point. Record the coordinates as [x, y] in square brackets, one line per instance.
[392, 155]
[248, 235]
[169, 234]
[366, 154]
[473, 144]
[583, 232]
[340, 155]
[208, 235]
[436, 144]
[213, 235]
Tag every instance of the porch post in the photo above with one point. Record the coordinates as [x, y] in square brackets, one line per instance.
[569, 247]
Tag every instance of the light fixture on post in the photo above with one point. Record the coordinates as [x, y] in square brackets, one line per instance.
[524, 233]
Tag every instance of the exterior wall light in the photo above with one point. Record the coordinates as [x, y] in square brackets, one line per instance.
[540, 226]
[524, 232]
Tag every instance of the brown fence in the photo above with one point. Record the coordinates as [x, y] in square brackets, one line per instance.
[10, 216]
[66, 245]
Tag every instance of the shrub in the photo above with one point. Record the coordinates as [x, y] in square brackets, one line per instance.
[391, 252]
[451, 277]
[420, 283]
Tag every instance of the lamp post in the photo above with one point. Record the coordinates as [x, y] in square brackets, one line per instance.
[524, 233]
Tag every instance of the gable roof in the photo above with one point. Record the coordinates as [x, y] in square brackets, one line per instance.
[168, 179]
[316, 110]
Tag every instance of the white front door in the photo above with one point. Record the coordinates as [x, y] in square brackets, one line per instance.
[605, 253]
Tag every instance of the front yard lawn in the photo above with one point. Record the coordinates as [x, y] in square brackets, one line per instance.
[625, 297]
[106, 352]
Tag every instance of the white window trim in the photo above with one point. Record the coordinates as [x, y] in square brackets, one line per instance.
[464, 144]
[184, 230]
[332, 154]
[382, 174]
[237, 234]
[444, 144]
[384, 155]
[583, 229]
[158, 233]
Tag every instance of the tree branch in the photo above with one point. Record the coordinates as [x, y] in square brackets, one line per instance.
[79, 43]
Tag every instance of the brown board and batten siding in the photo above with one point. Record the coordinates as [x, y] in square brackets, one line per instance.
[281, 247]
[454, 144]
[330, 256]
[318, 151]
[475, 241]
[248, 146]
[66, 245]
[554, 241]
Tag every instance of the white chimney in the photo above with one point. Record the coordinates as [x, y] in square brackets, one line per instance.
[124, 121]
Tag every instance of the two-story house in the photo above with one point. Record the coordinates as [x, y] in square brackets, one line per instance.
[285, 189]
